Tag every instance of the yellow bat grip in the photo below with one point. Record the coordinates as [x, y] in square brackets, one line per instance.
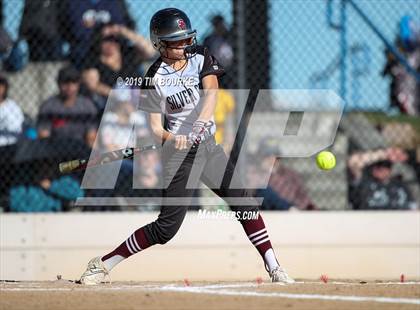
[69, 166]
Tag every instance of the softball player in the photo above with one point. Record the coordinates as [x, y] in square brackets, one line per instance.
[182, 84]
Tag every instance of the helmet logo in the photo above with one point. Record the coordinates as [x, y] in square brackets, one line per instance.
[181, 24]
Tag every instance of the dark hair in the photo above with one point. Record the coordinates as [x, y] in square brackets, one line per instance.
[112, 38]
[68, 74]
[3, 81]
[97, 38]
[217, 20]
[382, 163]
[378, 164]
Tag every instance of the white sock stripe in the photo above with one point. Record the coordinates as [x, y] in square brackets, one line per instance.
[262, 241]
[258, 236]
[264, 235]
[128, 246]
[256, 233]
[135, 243]
[130, 241]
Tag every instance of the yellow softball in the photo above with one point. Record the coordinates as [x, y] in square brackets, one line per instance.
[325, 160]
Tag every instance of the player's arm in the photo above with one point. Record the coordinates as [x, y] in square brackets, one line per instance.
[209, 73]
[92, 81]
[163, 135]
[200, 131]
[210, 86]
[44, 123]
[143, 46]
[158, 131]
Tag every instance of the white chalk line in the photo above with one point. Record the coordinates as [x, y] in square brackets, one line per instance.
[233, 285]
[105, 287]
[108, 286]
[220, 289]
[254, 284]
[358, 283]
[201, 290]
[34, 289]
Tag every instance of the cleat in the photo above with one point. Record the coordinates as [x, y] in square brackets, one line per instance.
[279, 275]
[95, 273]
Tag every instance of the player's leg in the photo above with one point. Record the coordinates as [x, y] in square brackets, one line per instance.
[177, 172]
[255, 229]
[176, 168]
[158, 232]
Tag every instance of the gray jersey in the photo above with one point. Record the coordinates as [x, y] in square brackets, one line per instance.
[177, 94]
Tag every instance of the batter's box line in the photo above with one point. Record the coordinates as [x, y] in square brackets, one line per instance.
[201, 290]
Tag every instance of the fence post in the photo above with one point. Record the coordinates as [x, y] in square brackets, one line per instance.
[343, 48]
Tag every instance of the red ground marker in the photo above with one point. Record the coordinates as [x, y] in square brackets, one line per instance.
[324, 278]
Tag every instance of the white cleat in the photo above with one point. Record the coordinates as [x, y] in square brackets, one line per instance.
[279, 275]
[95, 273]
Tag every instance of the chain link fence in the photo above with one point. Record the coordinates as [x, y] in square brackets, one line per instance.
[60, 61]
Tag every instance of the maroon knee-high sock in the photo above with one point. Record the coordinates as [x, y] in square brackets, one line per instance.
[135, 243]
[258, 235]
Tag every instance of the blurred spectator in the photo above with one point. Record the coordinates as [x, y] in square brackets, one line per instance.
[81, 17]
[405, 89]
[37, 53]
[149, 170]
[143, 47]
[117, 127]
[6, 43]
[400, 134]
[223, 115]
[44, 192]
[218, 42]
[11, 121]
[68, 113]
[40, 27]
[11, 116]
[374, 187]
[113, 61]
[117, 133]
[289, 185]
[220, 46]
[285, 187]
[13, 55]
[359, 160]
[271, 199]
[414, 161]
[379, 190]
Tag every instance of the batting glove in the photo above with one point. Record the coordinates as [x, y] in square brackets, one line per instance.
[200, 132]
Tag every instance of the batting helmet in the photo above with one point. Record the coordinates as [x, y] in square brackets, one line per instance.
[172, 25]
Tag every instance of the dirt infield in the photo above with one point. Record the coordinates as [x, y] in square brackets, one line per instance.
[63, 294]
